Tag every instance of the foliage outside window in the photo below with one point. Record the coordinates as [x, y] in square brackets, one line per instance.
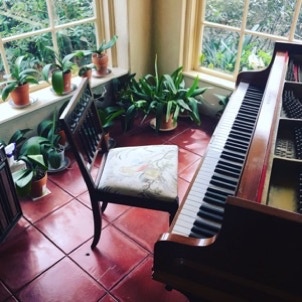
[28, 27]
[238, 35]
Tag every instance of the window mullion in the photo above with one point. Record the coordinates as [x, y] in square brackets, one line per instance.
[295, 20]
[241, 38]
[51, 16]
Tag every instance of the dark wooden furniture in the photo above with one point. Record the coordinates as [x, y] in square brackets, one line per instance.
[141, 176]
[10, 210]
[237, 236]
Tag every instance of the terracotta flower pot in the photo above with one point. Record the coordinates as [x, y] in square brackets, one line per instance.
[164, 125]
[20, 95]
[38, 186]
[63, 138]
[67, 81]
[100, 62]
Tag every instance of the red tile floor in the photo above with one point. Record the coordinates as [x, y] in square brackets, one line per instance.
[47, 255]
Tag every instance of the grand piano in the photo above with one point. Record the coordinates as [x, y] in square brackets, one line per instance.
[238, 234]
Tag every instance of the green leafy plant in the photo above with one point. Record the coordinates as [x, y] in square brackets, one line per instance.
[105, 45]
[19, 76]
[31, 154]
[108, 115]
[60, 67]
[166, 96]
[18, 137]
[51, 148]
[84, 69]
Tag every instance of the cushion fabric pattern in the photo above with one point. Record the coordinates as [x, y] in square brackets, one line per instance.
[148, 171]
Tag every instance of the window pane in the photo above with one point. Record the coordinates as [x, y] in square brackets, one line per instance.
[224, 12]
[34, 48]
[18, 17]
[72, 10]
[77, 37]
[271, 17]
[298, 32]
[219, 49]
[256, 53]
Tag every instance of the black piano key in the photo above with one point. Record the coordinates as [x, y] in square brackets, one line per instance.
[242, 129]
[200, 232]
[226, 179]
[243, 138]
[237, 155]
[226, 172]
[223, 184]
[230, 167]
[204, 213]
[236, 141]
[207, 224]
[235, 147]
[215, 197]
[233, 158]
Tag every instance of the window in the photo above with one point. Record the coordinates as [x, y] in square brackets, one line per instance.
[235, 35]
[29, 27]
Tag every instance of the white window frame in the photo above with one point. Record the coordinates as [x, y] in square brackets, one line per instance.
[194, 26]
[104, 20]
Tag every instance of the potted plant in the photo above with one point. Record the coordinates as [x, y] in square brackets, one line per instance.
[85, 71]
[61, 72]
[31, 180]
[100, 57]
[123, 96]
[108, 116]
[53, 148]
[18, 84]
[166, 97]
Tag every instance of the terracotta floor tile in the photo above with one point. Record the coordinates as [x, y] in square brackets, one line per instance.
[4, 292]
[63, 282]
[113, 258]
[183, 186]
[69, 226]
[139, 286]
[143, 225]
[186, 158]
[194, 140]
[38, 209]
[190, 170]
[25, 257]
[108, 298]
[70, 180]
[18, 228]
[112, 211]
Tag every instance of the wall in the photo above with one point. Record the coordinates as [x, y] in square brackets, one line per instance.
[140, 36]
[156, 28]
[167, 33]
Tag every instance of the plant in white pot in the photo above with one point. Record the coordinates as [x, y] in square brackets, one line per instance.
[18, 83]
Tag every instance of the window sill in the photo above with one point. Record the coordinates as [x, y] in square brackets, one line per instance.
[44, 97]
[216, 82]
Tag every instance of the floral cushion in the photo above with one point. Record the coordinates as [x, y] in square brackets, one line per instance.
[149, 171]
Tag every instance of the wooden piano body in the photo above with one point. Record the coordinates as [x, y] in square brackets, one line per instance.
[255, 252]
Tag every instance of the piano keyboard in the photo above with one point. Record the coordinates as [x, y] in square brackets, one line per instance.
[202, 212]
